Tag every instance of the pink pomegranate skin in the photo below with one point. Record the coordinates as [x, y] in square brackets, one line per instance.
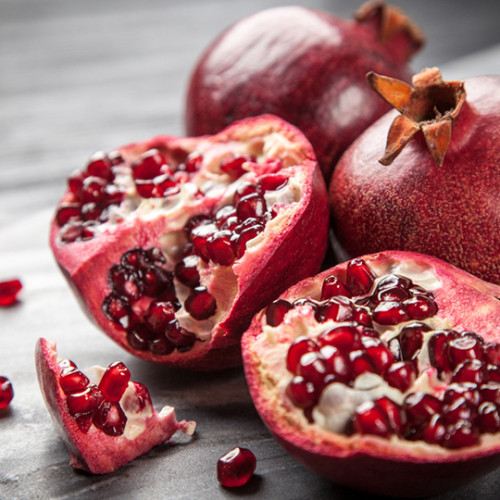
[371, 464]
[451, 212]
[304, 65]
[95, 451]
[261, 276]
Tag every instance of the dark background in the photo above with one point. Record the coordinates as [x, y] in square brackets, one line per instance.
[80, 76]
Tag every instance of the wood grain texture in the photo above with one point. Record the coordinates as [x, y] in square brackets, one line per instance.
[80, 76]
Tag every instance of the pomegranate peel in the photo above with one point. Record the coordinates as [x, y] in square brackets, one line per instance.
[96, 440]
[324, 59]
[175, 275]
[352, 431]
[418, 200]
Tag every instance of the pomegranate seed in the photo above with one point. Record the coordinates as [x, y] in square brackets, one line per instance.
[156, 281]
[6, 392]
[389, 313]
[461, 434]
[434, 431]
[438, 349]
[66, 212]
[9, 291]
[337, 363]
[488, 417]
[490, 392]
[272, 182]
[243, 190]
[360, 363]
[75, 183]
[401, 375]
[223, 214]
[378, 352]
[115, 158]
[337, 309]
[251, 206]
[419, 407]
[312, 367]
[363, 317]
[394, 280]
[181, 338]
[138, 337]
[135, 259]
[161, 345]
[233, 165]
[200, 304]
[93, 190]
[420, 307]
[186, 271]
[302, 393]
[90, 211]
[100, 166]
[117, 309]
[359, 277]
[114, 381]
[66, 364]
[125, 283]
[393, 294]
[460, 409]
[466, 346]
[199, 237]
[411, 339]
[370, 419]
[143, 396]
[333, 286]
[71, 231]
[149, 165]
[276, 311]
[73, 380]
[492, 353]
[84, 402]
[236, 467]
[110, 418]
[192, 163]
[159, 315]
[344, 337]
[247, 234]
[465, 390]
[220, 249]
[471, 370]
[392, 412]
[493, 373]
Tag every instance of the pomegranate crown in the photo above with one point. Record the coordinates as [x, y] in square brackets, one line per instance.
[430, 105]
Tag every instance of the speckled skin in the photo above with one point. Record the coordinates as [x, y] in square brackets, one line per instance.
[451, 212]
[306, 66]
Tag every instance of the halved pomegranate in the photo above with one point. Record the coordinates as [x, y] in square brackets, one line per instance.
[436, 187]
[306, 66]
[383, 374]
[105, 419]
[173, 244]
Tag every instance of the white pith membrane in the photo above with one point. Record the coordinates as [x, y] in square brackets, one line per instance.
[271, 152]
[338, 401]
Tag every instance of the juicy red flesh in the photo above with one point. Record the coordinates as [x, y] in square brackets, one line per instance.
[8, 292]
[454, 418]
[6, 392]
[98, 405]
[236, 467]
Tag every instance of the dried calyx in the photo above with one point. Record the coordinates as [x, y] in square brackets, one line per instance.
[430, 105]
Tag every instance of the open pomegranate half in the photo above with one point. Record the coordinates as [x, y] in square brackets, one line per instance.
[105, 419]
[173, 244]
[382, 373]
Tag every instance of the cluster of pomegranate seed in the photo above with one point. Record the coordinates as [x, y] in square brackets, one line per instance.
[92, 193]
[364, 308]
[9, 291]
[236, 467]
[141, 275]
[6, 392]
[98, 404]
[222, 236]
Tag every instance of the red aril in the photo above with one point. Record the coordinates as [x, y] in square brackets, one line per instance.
[9, 291]
[6, 392]
[236, 467]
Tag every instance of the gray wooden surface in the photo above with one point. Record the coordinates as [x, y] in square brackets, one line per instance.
[80, 76]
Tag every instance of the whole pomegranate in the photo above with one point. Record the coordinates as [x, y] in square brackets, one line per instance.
[105, 419]
[436, 189]
[173, 244]
[306, 66]
[382, 373]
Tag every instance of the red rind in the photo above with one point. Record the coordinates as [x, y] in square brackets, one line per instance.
[262, 275]
[304, 65]
[450, 212]
[95, 451]
[369, 463]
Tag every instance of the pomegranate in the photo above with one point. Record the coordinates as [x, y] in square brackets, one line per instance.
[420, 196]
[174, 243]
[6, 392]
[9, 291]
[383, 374]
[105, 419]
[306, 66]
[236, 467]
